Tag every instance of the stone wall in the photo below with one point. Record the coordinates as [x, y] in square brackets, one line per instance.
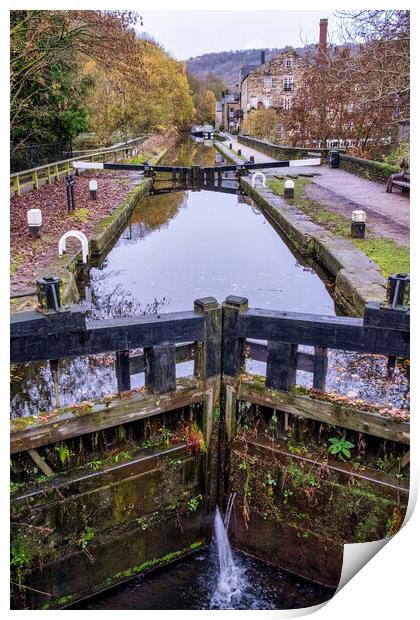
[282, 152]
[368, 169]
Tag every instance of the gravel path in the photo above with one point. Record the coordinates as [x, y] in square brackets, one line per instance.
[388, 215]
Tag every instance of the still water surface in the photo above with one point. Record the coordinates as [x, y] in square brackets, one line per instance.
[184, 245]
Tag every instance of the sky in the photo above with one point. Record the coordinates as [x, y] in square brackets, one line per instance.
[187, 34]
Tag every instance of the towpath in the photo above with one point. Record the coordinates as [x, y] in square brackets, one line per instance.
[388, 215]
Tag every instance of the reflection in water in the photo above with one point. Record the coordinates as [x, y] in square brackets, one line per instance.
[187, 152]
[184, 245]
[213, 245]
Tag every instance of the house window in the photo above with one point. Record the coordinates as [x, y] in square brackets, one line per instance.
[253, 102]
[268, 82]
[288, 83]
[288, 63]
[267, 102]
[287, 103]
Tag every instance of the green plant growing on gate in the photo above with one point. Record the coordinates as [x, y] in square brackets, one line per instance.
[166, 434]
[20, 559]
[121, 455]
[141, 521]
[272, 430]
[269, 484]
[121, 433]
[340, 447]
[194, 503]
[63, 452]
[86, 537]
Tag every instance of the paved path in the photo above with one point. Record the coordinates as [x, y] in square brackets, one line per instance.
[388, 215]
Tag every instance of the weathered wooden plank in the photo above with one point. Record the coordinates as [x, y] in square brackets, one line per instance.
[122, 370]
[324, 331]
[233, 347]
[208, 361]
[381, 316]
[335, 414]
[104, 414]
[40, 463]
[320, 367]
[105, 335]
[344, 471]
[258, 351]
[78, 483]
[32, 323]
[160, 370]
[281, 365]
[183, 353]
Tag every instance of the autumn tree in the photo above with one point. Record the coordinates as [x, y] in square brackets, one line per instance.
[262, 123]
[380, 64]
[205, 105]
[352, 92]
[153, 99]
[206, 108]
[46, 49]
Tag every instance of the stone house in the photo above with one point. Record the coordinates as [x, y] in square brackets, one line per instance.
[219, 114]
[274, 84]
[227, 111]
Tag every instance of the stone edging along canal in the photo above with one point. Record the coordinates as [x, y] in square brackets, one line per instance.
[357, 278]
[227, 153]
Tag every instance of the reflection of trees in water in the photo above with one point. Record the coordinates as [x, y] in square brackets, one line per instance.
[30, 384]
[83, 378]
[186, 152]
[156, 212]
[119, 303]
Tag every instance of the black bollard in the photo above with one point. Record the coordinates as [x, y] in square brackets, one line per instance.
[334, 159]
[358, 224]
[398, 290]
[70, 193]
[48, 291]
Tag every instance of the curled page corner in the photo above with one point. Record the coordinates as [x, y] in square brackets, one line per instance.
[356, 555]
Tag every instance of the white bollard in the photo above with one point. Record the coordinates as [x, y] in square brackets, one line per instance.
[34, 219]
[358, 224]
[289, 189]
[81, 237]
[93, 188]
[358, 216]
[258, 175]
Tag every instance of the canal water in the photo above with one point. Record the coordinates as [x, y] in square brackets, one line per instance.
[179, 246]
[191, 582]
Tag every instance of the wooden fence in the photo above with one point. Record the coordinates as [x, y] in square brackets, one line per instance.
[34, 178]
[218, 339]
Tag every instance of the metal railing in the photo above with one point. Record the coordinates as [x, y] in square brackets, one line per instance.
[34, 178]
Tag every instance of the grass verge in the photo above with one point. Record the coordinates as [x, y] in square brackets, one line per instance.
[388, 255]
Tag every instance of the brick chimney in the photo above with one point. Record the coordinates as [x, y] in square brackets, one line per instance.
[262, 57]
[323, 30]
